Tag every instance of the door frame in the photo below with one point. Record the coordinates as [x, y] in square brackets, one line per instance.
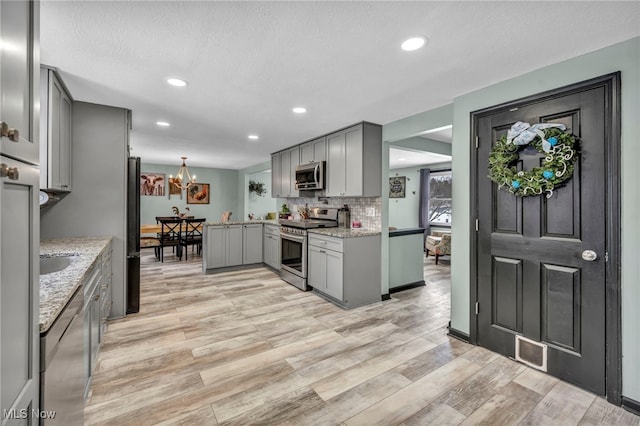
[611, 83]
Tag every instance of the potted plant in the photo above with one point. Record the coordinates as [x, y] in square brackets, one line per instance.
[257, 187]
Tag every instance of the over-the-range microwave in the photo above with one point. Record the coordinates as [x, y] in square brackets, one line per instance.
[310, 176]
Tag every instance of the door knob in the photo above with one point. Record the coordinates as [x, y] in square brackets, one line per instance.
[589, 255]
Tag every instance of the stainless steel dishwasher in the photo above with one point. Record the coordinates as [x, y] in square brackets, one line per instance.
[62, 366]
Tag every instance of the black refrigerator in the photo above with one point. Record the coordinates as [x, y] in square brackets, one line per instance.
[133, 235]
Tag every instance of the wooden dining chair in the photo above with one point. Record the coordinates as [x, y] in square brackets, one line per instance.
[170, 229]
[192, 235]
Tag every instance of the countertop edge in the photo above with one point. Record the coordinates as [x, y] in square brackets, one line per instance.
[406, 231]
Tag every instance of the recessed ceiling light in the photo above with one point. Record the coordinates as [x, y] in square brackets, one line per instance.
[163, 123]
[299, 110]
[413, 43]
[178, 82]
[254, 137]
[402, 159]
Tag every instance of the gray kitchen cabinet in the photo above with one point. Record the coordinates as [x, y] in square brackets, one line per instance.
[289, 160]
[55, 131]
[251, 243]
[91, 288]
[345, 271]
[105, 291]
[19, 212]
[294, 161]
[19, 267]
[313, 151]
[19, 79]
[276, 175]
[325, 270]
[271, 246]
[283, 172]
[354, 161]
[223, 246]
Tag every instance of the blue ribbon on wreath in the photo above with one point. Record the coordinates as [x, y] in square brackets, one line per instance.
[523, 133]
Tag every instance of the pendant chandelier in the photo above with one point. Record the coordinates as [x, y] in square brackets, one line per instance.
[180, 180]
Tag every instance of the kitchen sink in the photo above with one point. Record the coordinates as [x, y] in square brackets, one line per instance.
[49, 265]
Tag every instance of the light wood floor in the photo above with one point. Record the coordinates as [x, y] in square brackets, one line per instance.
[246, 348]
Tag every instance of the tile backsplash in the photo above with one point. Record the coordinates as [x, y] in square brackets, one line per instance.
[359, 207]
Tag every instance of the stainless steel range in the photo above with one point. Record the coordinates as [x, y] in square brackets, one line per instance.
[293, 243]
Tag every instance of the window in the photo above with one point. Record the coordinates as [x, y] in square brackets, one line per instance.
[440, 198]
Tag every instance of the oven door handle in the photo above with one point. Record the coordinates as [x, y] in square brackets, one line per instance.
[297, 238]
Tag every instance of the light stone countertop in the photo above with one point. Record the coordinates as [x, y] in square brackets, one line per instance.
[345, 232]
[57, 288]
[244, 222]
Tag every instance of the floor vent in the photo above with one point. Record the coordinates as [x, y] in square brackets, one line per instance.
[532, 353]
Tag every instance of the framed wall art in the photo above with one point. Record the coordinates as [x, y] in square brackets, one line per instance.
[397, 186]
[152, 184]
[198, 193]
[173, 189]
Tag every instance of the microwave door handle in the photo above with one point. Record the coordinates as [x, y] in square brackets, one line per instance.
[316, 174]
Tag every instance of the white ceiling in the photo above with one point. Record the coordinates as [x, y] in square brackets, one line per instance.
[401, 157]
[249, 63]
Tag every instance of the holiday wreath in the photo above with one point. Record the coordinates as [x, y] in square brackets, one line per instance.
[558, 147]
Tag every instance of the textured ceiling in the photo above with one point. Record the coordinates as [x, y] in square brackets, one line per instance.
[249, 63]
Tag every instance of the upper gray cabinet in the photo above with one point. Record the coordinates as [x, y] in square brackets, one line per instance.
[55, 135]
[19, 65]
[276, 175]
[313, 151]
[283, 173]
[354, 161]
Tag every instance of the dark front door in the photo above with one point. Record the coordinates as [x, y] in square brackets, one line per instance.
[532, 280]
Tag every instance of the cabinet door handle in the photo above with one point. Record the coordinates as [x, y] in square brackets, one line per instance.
[12, 173]
[96, 297]
[14, 135]
[322, 251]
[4, 129]
[64, 186]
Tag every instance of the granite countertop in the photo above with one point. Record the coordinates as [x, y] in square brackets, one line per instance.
[57, 288]
[244, 222]
[345, 232]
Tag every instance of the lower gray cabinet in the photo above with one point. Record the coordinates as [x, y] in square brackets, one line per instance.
[105, 291]
[325, 272]
[251, 243]
[223, 246]
[346, 271]
[91, 286]
[271, 246]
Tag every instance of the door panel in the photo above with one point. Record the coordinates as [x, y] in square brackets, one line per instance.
[561, 298]
[531, 278]
[507, 293]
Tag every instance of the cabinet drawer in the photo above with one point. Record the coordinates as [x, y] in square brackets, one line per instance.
[323, 241]
[272, 230]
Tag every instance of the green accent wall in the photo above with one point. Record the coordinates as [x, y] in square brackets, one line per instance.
[403, 212]
[251, 203]
[624, 57]
[223, 194]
